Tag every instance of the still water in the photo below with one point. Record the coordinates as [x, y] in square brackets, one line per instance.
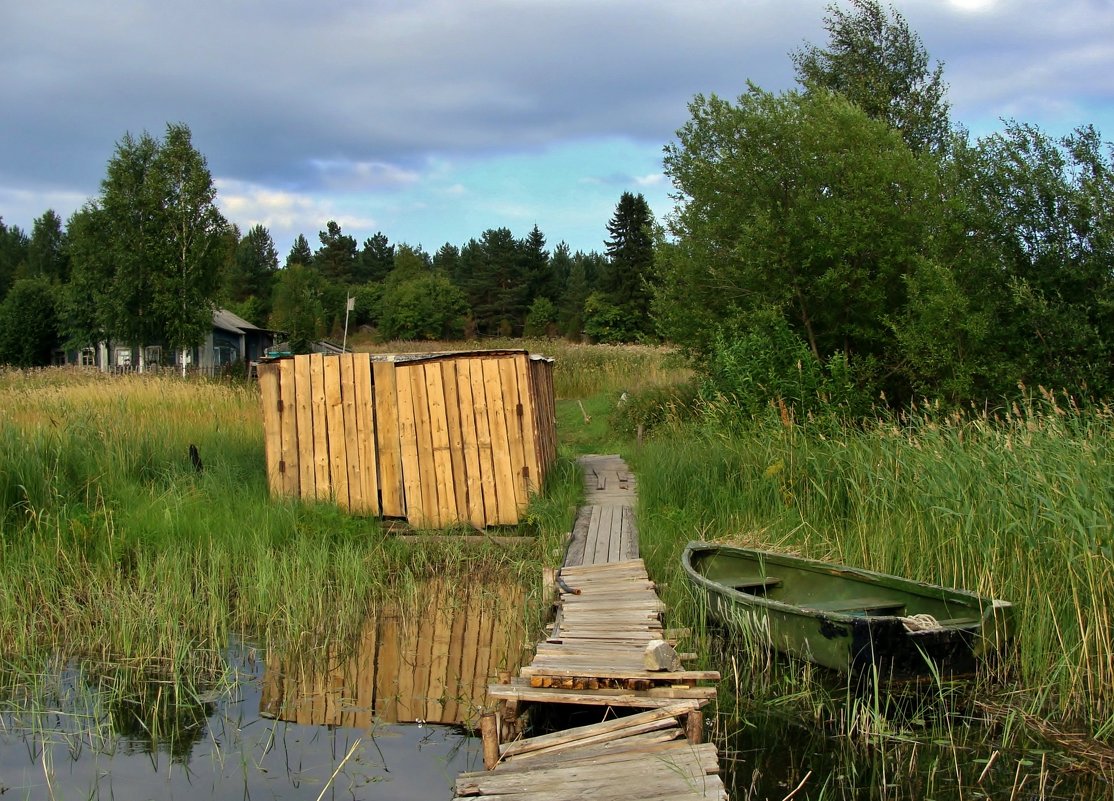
[383, 718]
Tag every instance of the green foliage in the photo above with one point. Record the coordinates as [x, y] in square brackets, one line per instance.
[336, 258]
[423, 307]
[28, 324]
[630, 253]
[149, 250]
[879, 64]
[300, 252]
[298, 308]
[47, 252]
[608, 323]
[541, 320]
[801, 204]
[767, 363]
[13, 254]
[376, 260]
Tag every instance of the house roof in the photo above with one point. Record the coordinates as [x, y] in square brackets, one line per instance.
[227, 321]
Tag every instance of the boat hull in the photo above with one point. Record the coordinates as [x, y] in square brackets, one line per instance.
[844, 618]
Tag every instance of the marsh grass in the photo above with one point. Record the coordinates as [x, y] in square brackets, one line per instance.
[1018, 506]
[114, 547]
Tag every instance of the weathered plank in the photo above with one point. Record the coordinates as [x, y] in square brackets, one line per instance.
[365, 432]
[413, 505]
[272, 433]
[456, 439]
[288, 422]
[506, 499]
[387, 439]
[334, 412]
[323, 486]
[353, 477]
[303, 411]
[440, 457]
[470, 445]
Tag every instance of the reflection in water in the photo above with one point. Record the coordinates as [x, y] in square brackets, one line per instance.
[112, 732]
[429, 661]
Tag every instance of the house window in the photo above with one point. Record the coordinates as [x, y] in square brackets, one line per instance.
[152, 354]
[224, 354]
[88, 357]
[123, 357]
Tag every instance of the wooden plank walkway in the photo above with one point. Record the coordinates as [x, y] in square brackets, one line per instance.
[608, 617]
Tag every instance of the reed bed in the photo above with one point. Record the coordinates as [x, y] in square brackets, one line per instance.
[1018, 505]
[114, 547]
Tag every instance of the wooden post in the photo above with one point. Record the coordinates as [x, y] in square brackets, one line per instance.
[489, 732]
[694, 727]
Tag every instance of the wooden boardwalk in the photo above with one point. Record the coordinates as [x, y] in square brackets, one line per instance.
[606, 648]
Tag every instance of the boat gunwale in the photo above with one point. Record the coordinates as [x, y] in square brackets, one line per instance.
[983, 608]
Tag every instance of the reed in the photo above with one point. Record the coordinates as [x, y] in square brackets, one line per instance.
[114, 547]
[1018, 505]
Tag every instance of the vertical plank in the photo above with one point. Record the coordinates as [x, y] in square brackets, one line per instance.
[454, 688]
[425, 618]
[528, 421]
[353, 474]
[364, 670]
[334, 409]
[387, 444]
[272, 432]
[488, 486]
[413, 506]
[365, 433]
[388, 668]
[441, 617]
[303, 411]
[515, 413]
[456, 438]
[322, 483]
[507, 509]
[470, 642]
[423, 439]
[470, 443]
[288, 423]
[439, 445]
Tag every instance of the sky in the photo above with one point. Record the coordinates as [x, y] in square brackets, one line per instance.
[435, 120]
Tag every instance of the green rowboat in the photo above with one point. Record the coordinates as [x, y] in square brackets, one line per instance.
[846, 618]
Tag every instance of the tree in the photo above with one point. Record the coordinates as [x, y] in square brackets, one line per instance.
[423, 306]
[536, 273]
[47, 252]
[13, 254]
[879, 64]
[336, 258]
[799, 205]
[300, 252]
[297, 309]
[377, 259]
[153, 243]
[491, 277]
[630, 251]
[28, 326]
[250, 280]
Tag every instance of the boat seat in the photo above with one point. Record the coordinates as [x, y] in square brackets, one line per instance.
[754, 584]
[866, 605]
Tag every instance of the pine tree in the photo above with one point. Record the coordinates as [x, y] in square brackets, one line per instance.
[630, 251]
[300, 252]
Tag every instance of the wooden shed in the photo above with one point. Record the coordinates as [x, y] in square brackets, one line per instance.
[438, 439]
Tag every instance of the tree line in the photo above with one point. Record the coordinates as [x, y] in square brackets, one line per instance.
[150, 258]
[841, 243]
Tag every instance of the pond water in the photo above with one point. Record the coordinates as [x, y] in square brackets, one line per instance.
[382, 718]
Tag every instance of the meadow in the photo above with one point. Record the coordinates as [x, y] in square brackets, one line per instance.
[116, 549]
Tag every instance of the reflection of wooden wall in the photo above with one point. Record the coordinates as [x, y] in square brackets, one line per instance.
[431, 663]
[439, 439]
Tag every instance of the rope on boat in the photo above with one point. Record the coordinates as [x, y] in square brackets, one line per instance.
[921, 622]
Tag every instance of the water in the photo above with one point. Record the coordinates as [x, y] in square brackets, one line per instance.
[385, 717]
[84, 745]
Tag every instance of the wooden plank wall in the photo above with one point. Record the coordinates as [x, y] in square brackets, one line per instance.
[441, 440]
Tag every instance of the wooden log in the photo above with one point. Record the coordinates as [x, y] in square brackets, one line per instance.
[489, 733]
[694, 727]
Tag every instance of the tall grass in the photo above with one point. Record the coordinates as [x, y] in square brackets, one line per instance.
[113, 546]
[1018, 506]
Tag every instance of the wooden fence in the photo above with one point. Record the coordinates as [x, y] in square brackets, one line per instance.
[438, 439]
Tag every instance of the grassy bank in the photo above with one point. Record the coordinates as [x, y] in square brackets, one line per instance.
[1018, 506]
[115, 547]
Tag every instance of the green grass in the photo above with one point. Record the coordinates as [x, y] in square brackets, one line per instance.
[1019, 507]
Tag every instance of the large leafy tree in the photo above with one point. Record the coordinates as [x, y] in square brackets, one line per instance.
[28, 326]
[298, 307]
[878, 63]
[799, 205]
[149, 249]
